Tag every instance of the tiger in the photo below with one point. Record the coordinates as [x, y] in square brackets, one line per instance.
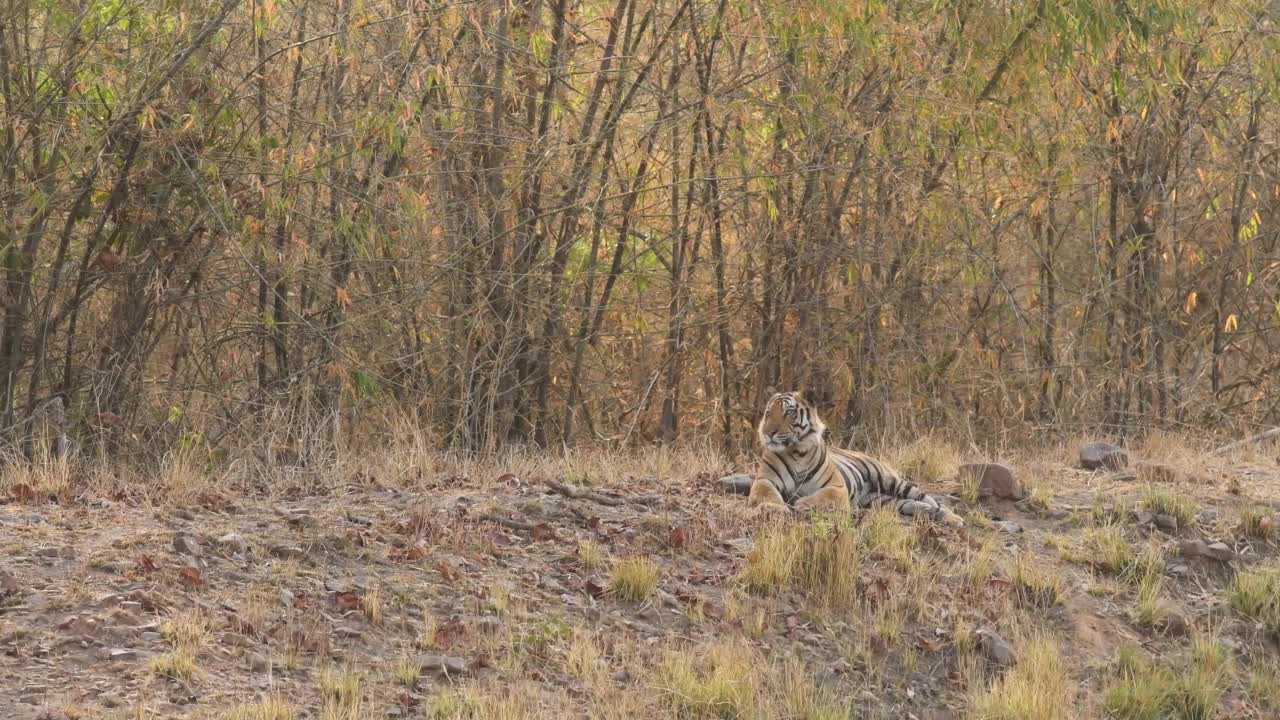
[801, 472]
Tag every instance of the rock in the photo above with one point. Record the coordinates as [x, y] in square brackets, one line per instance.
[238, 640]
[348, 633]
[1155, 472]
[184, 514]
[257, 662]
[995, 648]
[1173, 624]
[288, 552]
[1166, 522]
[1221, 552]
[1098, 455]
[994, 480]
[286, 597]
[187, 545]
[118, 654]
[442, 664]
[1199, 549]
[736, 484]
[1142, 517]
[151, 637]
[1179, 569]
[1121, 476]
[1008, 526]
[234, 542]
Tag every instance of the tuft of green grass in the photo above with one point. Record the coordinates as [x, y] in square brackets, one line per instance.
[1109, 549]
[1255, 594]
[1187, 689]
[1149, 611]
[1141, 691]
[1164, 501]
[407, 670]
[633, 578]
[1257, 524]
[1037, 688]
[1264, 685]
[885, 532]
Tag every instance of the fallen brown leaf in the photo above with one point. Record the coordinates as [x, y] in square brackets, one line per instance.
[190, 576]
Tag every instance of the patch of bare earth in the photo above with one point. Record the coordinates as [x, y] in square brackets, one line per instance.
[598, 587]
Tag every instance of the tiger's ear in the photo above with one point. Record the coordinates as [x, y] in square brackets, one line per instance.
[799, 396]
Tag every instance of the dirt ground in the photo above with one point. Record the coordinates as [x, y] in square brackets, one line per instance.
[651, 594]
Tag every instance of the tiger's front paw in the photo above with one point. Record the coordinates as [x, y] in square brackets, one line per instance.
[767, 511]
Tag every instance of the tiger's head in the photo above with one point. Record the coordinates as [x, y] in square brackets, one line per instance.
[789, 423]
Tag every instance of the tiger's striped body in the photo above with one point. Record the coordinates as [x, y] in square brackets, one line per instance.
[801, 472]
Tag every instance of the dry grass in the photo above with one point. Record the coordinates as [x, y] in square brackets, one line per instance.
[426, 639]
[44, 478]
[1036, 584]
[818, 558]
[187, 633]
[341, 694]
[634, 578]
[176, 664]
[271, 707]
[590, 556]
[969, 487]
[1039, 687]
[928, 461]
[731, 680]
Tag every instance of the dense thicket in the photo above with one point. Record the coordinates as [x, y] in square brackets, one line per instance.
[559, 221]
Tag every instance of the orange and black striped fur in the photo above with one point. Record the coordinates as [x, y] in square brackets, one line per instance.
[801, 472]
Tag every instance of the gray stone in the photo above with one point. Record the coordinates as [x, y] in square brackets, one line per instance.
[1220, 551]
[736, 484]
[117, 654]
[1166, 522]
[443, 664]
[187, 545]
[234, 542]
[258, 662]
[1173, 624]
[1098, 455]
[1008, 526]
[288, 552]
[1213, 551]
[995, 648]
[286, 597]
[994, 480]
